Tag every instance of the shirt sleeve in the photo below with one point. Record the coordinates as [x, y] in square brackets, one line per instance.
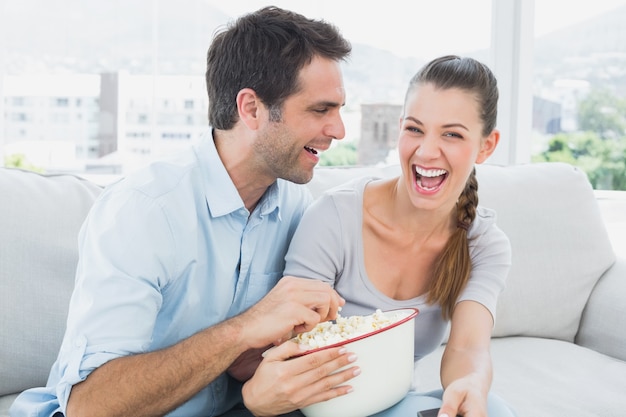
[315, 250]
[490, 250]
[125, 260]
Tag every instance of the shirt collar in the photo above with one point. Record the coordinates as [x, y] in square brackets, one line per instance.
[269, 201]
[221, 194]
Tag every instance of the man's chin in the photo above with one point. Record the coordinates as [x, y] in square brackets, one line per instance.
[300, 177]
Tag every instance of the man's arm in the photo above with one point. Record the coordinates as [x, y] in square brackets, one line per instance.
[155, 383]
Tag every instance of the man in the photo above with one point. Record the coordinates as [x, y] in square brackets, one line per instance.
[176, 288]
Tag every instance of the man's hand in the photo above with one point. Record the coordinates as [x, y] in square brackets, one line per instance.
[294, 305]
[281, 385]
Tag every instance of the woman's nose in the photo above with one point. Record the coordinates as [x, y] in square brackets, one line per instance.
[428, 147]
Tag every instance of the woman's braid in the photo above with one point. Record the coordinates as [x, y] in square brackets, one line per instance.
[467, 203]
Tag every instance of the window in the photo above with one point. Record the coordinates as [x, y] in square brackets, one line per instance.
[142, 46]
[61, 102]
[579, 88]
[560, 76]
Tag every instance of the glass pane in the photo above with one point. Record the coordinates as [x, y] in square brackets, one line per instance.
[106, 86]
[579, 106]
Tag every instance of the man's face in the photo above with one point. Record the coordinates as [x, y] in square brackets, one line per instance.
[310, 121]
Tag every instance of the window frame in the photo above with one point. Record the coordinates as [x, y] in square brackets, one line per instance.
[512, 42]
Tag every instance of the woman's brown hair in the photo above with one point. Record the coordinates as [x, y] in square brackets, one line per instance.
[453, 266]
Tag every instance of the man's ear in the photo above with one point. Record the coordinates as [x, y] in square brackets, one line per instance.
[249, 106]
[488, 146]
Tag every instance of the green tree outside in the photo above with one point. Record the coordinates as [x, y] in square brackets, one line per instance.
[341, 154]
[603, 113]
[19, 160]
[599, 148]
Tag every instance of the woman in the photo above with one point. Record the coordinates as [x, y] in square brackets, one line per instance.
[420, 239]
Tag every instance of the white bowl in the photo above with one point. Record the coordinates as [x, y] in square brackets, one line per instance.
[385, 357]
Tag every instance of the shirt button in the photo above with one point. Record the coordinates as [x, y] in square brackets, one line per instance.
[219, 387]
[80, 341]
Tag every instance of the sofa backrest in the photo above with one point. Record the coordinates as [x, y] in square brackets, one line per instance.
[39, 220]
[560, 250]
[559, 242]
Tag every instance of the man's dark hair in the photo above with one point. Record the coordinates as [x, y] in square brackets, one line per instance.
[265, 51]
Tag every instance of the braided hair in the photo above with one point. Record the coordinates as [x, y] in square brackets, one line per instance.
[453, 266]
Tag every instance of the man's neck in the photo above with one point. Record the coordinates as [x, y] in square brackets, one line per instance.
[236, 152]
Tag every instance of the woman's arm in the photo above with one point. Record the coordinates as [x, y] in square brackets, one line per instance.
[466, 370]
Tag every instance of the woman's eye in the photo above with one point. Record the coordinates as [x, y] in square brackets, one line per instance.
[453, 135]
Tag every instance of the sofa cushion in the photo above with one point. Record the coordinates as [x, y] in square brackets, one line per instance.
[5, 404]
[325, 178]
[559, 242]
[599, 327]
[546, 378]
[40, 216]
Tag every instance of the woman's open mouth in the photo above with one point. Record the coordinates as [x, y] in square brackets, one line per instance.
[429, 179]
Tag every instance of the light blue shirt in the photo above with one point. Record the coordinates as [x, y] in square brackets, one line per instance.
[165, 253]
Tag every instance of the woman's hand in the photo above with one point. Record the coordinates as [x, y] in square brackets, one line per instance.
[463, 397]
[284, 383]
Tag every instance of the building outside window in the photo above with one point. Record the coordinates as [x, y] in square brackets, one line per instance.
[130, 76]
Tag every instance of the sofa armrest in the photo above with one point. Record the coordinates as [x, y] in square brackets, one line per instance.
[601, 326]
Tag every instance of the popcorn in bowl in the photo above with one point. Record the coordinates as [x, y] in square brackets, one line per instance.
[344, 328]
[383, 343]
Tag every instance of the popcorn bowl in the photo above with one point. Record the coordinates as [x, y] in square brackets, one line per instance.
[385, 357]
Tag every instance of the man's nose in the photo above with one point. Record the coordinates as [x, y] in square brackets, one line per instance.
[336, 129]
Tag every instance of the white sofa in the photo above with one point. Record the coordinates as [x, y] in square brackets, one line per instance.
[559, 345]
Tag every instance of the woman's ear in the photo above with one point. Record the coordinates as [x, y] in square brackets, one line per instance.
[488, 146]
[248, 107]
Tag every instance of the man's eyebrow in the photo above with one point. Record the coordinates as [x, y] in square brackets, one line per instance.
[327, 104]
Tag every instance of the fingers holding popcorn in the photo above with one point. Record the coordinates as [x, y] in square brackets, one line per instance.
[293, 305]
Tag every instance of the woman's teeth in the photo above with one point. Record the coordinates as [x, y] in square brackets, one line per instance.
[429, 172]
[430, 179]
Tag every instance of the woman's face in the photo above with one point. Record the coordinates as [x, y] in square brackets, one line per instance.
[440, 141]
